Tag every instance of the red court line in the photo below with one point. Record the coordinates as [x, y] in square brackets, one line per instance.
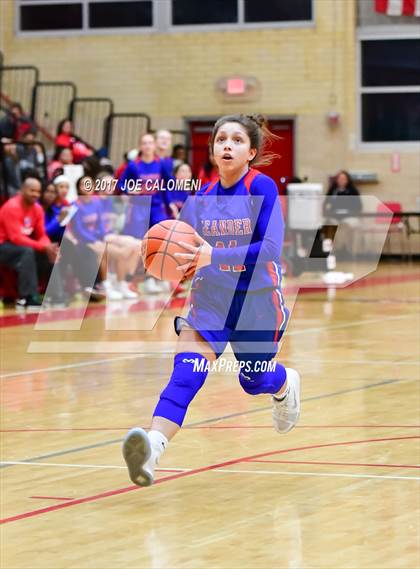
[50, 498]
[97, 429]
[192, 472]
[141, 306]
[336, 463]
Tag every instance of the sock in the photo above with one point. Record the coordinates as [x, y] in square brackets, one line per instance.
[129, 277]
[158, 442]
[283, 396]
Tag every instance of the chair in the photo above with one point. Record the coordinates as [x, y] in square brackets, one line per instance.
[397, 225]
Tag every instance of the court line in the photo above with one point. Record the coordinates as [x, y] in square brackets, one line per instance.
[305, 400]
[169, 353]
[206, 421]
[118, 491]
[72, 366]
[320, 474]
[50, 498]
[370, 464]
[73, 465]
[120, 467]
[127, 428]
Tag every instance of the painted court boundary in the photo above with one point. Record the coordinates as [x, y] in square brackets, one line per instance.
[116, 492]
[201, 424]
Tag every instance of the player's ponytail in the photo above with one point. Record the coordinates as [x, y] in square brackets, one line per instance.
[259, 134]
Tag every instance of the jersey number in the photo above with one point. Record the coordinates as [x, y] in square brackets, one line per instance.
[234, 268]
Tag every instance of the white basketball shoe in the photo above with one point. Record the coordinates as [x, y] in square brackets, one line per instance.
[140, 457]
[286, 411]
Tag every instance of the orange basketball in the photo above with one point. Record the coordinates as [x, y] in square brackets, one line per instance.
[161, 243]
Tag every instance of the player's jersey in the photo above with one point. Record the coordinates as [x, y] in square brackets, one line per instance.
[144, 179]
[87, 223]
[108, 215]
[244, 224]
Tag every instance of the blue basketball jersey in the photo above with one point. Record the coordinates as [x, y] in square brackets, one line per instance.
[244, 225]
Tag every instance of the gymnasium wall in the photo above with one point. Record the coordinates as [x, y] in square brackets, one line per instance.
[303, 73]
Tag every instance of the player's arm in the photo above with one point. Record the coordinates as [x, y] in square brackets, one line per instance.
[269, 229]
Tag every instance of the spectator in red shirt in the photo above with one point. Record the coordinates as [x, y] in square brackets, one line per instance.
[67, 139]
[62, 157]
[25, 246]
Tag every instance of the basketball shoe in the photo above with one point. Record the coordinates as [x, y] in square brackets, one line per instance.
[286, 409]
[140, 456]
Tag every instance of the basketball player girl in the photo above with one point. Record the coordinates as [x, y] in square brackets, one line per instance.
[236, 294]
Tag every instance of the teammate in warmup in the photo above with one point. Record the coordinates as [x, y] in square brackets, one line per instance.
[236, 293]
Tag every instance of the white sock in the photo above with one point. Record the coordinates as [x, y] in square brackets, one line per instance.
[283, 396]
[158, 443]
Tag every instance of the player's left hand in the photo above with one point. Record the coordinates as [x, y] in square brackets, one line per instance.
[199, 255]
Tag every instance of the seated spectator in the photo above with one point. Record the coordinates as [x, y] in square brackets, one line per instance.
[89, 229]
[62, 186]
[67, 139]
[77, 260]
[54, 212]
[14, 125]
[25, 246]
[30, 155]
[62, 157]
[342, 205]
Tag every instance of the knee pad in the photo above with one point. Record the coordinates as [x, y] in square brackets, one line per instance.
[189, 374]
[257, 382]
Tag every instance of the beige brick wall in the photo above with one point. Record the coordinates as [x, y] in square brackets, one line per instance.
[303, 72]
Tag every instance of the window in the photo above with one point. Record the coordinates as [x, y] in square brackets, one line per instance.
[277, 10]
[120, 14]
[93, 16]
[83, 15]
[390, 90]
[190, 12]
[239, 12]
[50, 17]
[391, 62]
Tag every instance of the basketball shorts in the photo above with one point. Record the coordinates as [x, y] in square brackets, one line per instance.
[252, 322]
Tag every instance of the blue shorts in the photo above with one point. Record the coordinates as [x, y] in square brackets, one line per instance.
[253, 322]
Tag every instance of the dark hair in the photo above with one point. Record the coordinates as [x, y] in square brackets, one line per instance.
[30, 173]
[45, 186]
[32, 130]
[350, 183]
[59, 150]
[259, 135]
[16, 105]
[179, 166]
[178, 147]
[61, 124]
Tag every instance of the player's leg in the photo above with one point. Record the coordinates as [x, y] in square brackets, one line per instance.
[142, 450]
[255, 350]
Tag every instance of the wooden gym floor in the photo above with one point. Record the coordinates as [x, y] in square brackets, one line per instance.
[340, 491]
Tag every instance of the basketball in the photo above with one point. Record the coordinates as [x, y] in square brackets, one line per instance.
[159, 246]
